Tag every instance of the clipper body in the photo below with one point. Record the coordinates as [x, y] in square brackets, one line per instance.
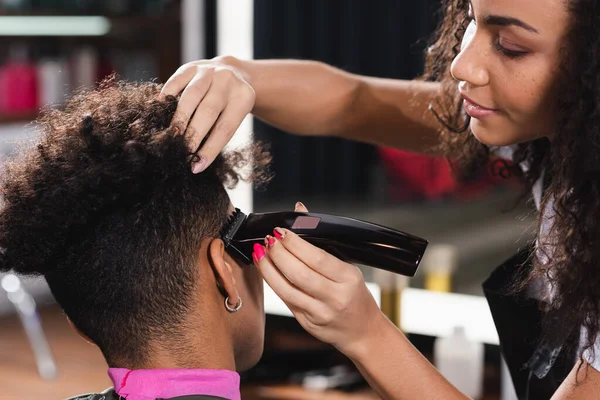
[349, 239]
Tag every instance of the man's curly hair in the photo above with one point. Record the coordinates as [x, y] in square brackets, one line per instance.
[571, 162]
[105, 206]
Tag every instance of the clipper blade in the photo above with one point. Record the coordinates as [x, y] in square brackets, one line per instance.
[231, 226]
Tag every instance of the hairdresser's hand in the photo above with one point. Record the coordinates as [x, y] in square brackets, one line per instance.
[328, 297]
[215, 98]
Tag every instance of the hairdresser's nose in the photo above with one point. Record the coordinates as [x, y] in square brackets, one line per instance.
[470, 65]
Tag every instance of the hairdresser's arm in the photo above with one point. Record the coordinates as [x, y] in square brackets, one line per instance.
[313, 98]
[330, 300]
[302, 97]
[395, 369]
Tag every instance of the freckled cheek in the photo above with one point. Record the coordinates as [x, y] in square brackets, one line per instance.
[522, 99]
[529, 110]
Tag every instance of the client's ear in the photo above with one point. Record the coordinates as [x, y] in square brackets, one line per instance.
[222, 269]
[83, 335]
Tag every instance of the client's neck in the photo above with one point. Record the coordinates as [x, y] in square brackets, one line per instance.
[203, 346]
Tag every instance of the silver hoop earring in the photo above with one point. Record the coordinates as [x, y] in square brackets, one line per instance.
[235, 308]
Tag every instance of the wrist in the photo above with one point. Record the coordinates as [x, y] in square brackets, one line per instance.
[246, 70]
[379, 331]
[238, 65]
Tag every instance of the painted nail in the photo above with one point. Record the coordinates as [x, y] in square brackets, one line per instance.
[199, 166]
[270, 241]
[279, 234]
[259, 252]
[255, 258]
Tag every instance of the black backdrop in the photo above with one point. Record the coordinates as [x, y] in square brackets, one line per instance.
[383, 38]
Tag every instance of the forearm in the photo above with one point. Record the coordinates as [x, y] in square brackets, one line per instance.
[394, 113]
[398, 371]
[312, 98]
[304, 97]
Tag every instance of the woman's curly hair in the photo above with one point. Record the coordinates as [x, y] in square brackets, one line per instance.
[571, 162]
[104, 205]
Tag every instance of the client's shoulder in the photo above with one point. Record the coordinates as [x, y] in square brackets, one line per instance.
[108, 394]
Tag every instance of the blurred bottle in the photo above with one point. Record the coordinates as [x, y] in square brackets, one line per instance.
[392, 286]
[439, 264]
[84, 67]
[460, 361]
[18, 82]
[53, 77]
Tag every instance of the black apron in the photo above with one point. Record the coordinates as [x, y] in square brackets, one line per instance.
[537, 368]
[110, 394]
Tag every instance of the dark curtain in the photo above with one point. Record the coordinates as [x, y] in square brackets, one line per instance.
[210, 28]
[383, 38]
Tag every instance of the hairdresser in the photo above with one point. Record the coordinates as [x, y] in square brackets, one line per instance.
[519, 77]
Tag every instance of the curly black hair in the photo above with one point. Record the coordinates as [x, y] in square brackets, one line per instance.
[571, 162]
[105, 206]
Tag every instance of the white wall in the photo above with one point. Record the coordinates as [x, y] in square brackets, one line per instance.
[235, 21]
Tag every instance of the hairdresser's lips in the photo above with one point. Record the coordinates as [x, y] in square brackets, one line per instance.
[476, 110]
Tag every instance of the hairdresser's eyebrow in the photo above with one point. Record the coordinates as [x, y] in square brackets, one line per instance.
[507, 21]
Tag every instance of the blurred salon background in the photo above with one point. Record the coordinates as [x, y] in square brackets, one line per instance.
[48, 48]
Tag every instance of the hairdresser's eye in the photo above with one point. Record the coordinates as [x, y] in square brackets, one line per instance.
[510, 52]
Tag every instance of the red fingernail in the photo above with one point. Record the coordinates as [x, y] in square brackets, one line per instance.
[271, 241]
[259, 252]
[277, 234]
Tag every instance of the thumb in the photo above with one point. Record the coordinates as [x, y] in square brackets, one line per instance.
[300, 207]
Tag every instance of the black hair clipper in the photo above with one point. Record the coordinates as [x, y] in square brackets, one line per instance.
[349, 239]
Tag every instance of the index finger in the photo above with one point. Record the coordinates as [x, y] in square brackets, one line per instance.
[177, 82]
[316, 258]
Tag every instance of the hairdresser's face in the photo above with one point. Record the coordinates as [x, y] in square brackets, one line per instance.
[507, 68]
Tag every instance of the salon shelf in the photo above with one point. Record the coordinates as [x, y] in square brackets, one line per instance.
[17, 118]
[137, 13]
[68, 13]
[151, 34]
[139, 18]
[124, 28]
